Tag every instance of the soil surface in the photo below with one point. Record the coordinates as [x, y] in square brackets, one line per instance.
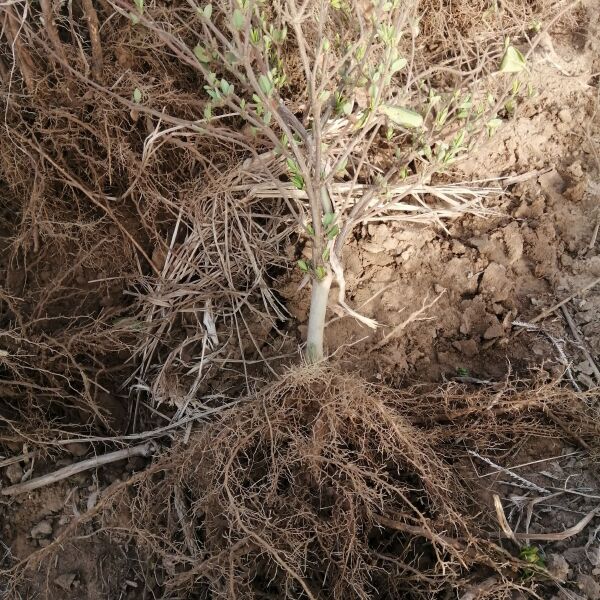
[537, 246]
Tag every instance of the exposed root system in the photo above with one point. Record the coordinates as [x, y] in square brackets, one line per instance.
[322, 486]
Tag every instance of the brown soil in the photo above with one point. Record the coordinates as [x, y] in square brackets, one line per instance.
[537, 246]
[532, 250]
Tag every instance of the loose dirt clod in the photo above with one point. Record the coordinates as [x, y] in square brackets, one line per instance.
[558, 566]
[589, 586]
[65, 581]
[42, 530]
[77, 449]
[14, 473]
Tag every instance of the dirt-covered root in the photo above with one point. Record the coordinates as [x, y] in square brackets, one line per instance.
[325, 486]
[318, 487]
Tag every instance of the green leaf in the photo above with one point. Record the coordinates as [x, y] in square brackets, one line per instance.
[279, 35]
[139, 4]
[201, 54]
[266, 85]
[213, 93]
[536, 26]
[208, 112]
[230, 58]
[434, 98]
[426, 152]
[398, 64]
[402, 116]
[321, 273]
[531, 554]
[324, 96]
[512, 61]
[298, 181]
[303, 266]
[226, 87]
[238, 19]
[342, 167]
[309, 229]
[292, 166]
[326, 254]
[207, 11]
[254, 36]
[347, 107]
[134, 18]
[137, 95]
[363, 118]
[295, 175]
[441, 117]
[459, 139]
[328, 219]
[492, 125]
[333, 232]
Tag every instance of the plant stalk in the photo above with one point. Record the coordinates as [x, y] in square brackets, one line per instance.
[316, 317]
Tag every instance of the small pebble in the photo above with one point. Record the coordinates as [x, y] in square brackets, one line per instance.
[558, 566]
[14, 473]
[497, 308]
[407, 253]
[66, 581]
[135, 463]
[589, 586]
[565, 115]
[77, 449]
[41, 530]
[575, 555]
[593, 554]
[576, 169]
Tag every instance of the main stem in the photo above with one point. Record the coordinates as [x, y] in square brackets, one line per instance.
[320, 204]
[316, 317]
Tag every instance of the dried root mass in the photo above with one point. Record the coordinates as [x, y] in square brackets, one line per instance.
[319, 487]
[322, 485]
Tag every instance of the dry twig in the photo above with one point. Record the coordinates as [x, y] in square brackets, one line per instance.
[84, 465]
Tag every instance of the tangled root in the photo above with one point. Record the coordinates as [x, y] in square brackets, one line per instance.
[317, 487]
[322, 485]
